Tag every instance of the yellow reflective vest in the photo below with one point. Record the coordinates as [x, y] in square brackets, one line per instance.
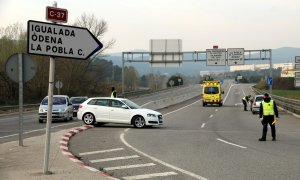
[112, 94]
[268, 108]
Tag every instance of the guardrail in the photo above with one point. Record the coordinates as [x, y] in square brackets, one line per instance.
[291, 105]
[29, 107]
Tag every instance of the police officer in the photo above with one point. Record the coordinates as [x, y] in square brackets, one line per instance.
[267, 111]
[245, 101]
[113, 92]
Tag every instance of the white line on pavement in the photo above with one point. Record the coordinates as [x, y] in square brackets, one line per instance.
[103, 151]
[203, 124]
[181, 108]
[243, 91]
[227, 93]
[211, 116]
[160, 161]
[231, 143]
[216, 110]
[146, 103]
[129, 166]
[145, 176]
[36, 130]
[114, 159]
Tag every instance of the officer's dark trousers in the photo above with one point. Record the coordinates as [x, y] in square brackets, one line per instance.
[268, 120]
[245, 105]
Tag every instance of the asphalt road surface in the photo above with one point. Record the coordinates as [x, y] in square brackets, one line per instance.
[196, 143]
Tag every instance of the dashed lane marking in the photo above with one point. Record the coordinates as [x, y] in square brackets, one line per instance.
[103, 151]
[211, 116]
[243, 147]
[114, 159]
[216, 110]
[203, 124]
[181, 108]
[129, 166]
[145, 176]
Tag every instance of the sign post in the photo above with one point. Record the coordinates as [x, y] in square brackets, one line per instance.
[55, 40]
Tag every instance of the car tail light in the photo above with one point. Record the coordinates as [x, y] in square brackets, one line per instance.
[80, 106]
[254, 103]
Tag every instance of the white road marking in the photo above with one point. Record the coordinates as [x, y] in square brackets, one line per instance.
[114, 159]
[103, 151]
[216, 110]
[211, 116]
[181, 108]
[203, 124]
[145, 176]
[126, 130]
[27, 132]
[227, 94]
[231, 143]
[129, 166]
[146, 103]
[243, 92]
[160, 161]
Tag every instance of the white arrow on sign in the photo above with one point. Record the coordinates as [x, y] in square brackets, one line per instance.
[60, 40]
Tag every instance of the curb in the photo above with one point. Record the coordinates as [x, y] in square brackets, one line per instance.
[64, 142]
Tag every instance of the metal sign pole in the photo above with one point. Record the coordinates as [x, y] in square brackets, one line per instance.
[271, 72]
[20, 62]
[123, 73]
[49, 112]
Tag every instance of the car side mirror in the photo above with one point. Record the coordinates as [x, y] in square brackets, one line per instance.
[124, 107]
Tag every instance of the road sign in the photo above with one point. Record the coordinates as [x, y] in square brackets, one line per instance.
[297, 83]
[235, 56]
[297, 66]
[12, 67]
[269, 81]
[297, 59]
[61, 41]
[58, 84]
[56, 14]
[215, 57]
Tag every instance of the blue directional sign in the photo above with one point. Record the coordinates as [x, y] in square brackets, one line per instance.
[269, 81]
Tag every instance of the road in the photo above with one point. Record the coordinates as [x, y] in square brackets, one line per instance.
[9, 124]
[196, 143]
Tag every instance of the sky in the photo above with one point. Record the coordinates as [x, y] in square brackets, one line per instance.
[249, 24]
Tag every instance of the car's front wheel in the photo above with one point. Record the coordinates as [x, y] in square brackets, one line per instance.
[139, 122]
[88, 119]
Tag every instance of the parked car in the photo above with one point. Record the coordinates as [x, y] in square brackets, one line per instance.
[76, 101]
[255, 103]
[103, 110]
[62, 108]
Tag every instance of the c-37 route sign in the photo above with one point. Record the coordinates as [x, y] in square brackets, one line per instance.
[60, 40]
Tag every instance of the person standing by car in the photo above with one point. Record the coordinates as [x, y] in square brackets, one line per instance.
[113, 92]
[245, 101]
[267, 111]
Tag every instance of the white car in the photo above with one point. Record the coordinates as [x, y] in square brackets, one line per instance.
[62, 109]
[103, 110]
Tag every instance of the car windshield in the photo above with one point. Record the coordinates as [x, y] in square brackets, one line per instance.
[56, 101]
[211, 90]
[131, 104]
[259, 98]
[78, 100]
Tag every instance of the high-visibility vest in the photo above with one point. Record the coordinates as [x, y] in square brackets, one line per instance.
[244, 98]
[112, 94]
[268, 108]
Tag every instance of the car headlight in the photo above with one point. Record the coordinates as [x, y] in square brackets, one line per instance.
[151, 115]
[41, 110]
[62, 110]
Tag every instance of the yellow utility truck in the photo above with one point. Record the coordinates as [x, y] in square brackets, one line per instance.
[212, 93]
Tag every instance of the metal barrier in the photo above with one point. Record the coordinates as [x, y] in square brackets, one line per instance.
[15, 108]
[291, 105]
